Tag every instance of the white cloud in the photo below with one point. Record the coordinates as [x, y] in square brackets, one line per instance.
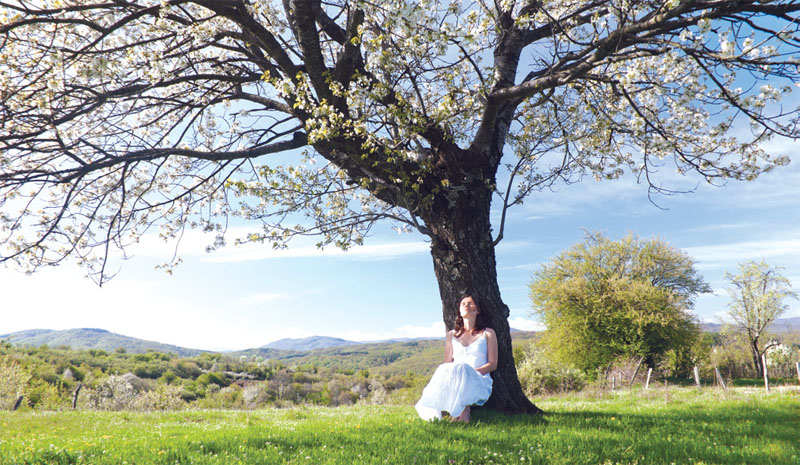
[564, 200]
[524, 324]
[511, 245]
[524, 267]
[781, 145]
[256, 299]
[436, 329]
[721, 227]
[195, 242]
[729, 255]
[369, 251]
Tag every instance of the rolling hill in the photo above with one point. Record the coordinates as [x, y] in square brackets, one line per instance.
[309, 343]
[388, 358]
[396, 355]
[92, 338]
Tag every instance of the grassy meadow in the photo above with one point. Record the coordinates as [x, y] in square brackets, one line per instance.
[660, 426]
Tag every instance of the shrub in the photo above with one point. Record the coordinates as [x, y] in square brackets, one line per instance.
[212, 378]
[46, 373]
[186, 369]
[731, 355]
[148, 370]
[162, 398]
[46, 397]
[226, 398]
[395, 382]
[115, 393]
[781, 360]
[538, 375]
[168, 377]
[13, 382]
[255, 395]
[377, 394]
[346, 398]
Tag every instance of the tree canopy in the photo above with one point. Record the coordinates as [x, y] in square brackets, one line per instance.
[602, 299]
[119, 115]
[321, 118]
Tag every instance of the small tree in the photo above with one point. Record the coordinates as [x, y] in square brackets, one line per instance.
[757, 295]
[13, 381]
[601, 299]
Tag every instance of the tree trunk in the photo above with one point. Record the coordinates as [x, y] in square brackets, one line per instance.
[464, 262]
[757, 358]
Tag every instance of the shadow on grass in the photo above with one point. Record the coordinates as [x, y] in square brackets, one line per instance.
[728, 433]
[739, 433]
[480, 416]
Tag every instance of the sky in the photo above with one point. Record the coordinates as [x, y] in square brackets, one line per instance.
[245, 297]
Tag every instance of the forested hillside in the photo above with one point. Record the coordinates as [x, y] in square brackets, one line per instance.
[48, 376]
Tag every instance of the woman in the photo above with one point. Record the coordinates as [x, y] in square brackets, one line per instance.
[463, 379]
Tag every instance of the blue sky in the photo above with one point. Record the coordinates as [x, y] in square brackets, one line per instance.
[239, 298]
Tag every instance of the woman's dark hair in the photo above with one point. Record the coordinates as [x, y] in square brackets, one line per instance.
[459, 323]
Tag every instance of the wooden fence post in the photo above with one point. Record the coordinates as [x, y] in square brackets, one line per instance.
[764, 364]
[719, 378]
[696, 376]
[647, 383]
[17, 403]
[636, 371]
[75, 396]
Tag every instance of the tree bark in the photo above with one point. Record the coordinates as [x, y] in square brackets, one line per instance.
[757, 358]
[464, 262]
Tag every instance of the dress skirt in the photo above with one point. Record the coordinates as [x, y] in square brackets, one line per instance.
[453, 387]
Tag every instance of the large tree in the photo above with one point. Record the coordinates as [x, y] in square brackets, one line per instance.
[757, 297]
[119, 115]
[602, 299]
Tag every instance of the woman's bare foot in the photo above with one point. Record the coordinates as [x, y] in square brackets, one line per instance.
[464, 417]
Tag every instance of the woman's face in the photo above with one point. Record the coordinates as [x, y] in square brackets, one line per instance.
[468, 307]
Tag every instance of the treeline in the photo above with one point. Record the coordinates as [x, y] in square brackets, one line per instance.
[56, 378]
[726, 351]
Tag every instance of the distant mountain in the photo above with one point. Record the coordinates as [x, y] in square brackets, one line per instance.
[786, 325]
[92, 338]
[709, 327]
[386, 358]
[309, 343]
[324, 342]
[781, 325]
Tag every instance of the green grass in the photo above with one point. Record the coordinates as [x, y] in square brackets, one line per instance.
[660, 426]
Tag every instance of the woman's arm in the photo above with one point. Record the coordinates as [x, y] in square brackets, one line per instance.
[491, 352]
[448, 347]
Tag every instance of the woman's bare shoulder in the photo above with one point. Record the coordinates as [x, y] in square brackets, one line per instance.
[490, 332]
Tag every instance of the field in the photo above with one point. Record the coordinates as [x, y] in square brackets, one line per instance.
[660, 426]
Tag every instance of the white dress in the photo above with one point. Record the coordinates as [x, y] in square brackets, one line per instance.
[457, 384]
